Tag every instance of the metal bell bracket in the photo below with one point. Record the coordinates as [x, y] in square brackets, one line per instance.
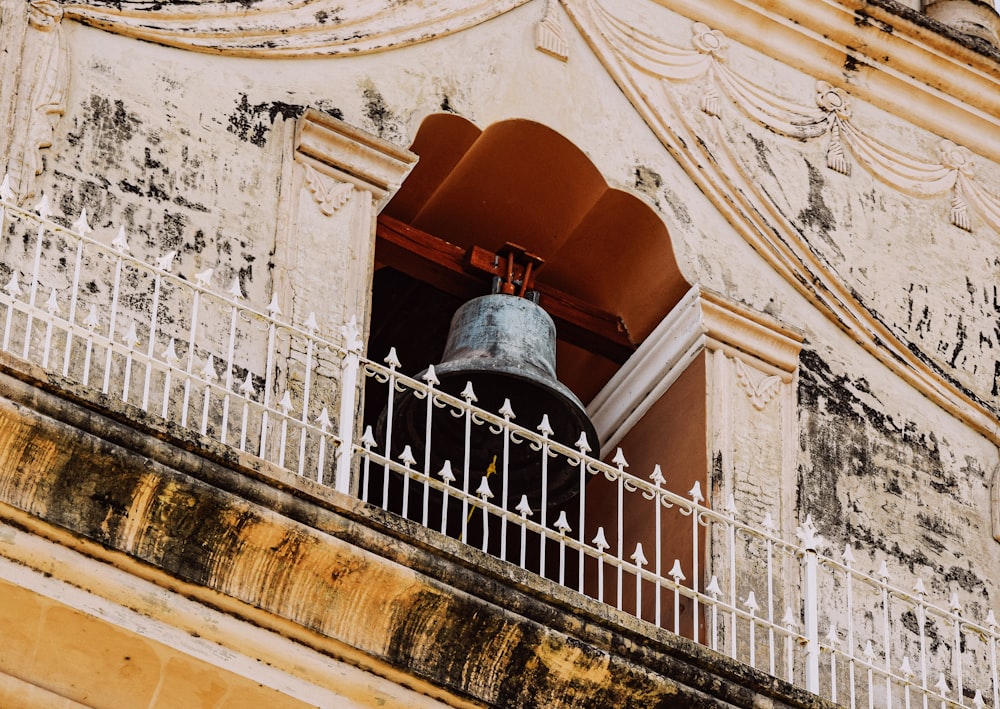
[513, 269]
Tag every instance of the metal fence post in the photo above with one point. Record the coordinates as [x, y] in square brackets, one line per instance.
[348, 404]
[810, 601]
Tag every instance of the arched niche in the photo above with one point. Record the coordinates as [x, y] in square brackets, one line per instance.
[520, 181]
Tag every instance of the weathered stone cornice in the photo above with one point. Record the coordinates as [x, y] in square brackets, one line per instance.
[336, 575]
[351, 155]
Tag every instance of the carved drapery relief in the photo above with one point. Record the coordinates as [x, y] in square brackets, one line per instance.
[40, 97]
[652, 73]
[286, 28]
[830, 116]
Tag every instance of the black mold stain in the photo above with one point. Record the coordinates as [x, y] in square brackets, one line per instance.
[328, 107]
[763, 154]
[172, 231]
[199, 243]
[911, 623]
[817, 215]
[960, 336]
[649, 182]
[252, 123]
[863, 19]
[180, 201]
[126, 186]
[110, 127]
[843, 436]
[378, 113]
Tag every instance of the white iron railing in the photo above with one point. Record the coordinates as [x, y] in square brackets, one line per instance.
[129, 328]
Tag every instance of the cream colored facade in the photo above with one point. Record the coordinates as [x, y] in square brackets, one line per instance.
[813, 223]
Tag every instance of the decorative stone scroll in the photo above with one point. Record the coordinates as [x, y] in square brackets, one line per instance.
[761, 388]
[329, 195]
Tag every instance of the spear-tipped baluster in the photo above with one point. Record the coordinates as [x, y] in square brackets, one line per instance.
[80, 226]
[562, 524]
[204, 278]
[120, 242]
[43, 209]
[166, 262]
[600, 541]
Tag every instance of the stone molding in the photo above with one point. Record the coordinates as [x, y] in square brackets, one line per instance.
[331, 147]
[702, 320]
[277, 28]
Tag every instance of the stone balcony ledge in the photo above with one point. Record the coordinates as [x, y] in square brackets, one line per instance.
[331, 572]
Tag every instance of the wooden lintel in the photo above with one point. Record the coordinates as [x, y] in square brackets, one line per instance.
[447, 266]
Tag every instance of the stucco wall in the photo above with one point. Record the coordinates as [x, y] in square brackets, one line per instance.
[191, 152]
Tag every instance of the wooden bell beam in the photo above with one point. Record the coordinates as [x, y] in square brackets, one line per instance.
[467, 273]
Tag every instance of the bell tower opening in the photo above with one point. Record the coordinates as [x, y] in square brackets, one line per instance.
[608, 275]
[604, 272]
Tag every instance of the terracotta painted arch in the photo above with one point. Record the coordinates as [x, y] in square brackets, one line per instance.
[520, 181]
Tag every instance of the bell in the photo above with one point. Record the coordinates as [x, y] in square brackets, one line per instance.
[505, 347]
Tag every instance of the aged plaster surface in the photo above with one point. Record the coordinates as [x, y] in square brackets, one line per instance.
[903, 224]
[672, 85]
[187, 150]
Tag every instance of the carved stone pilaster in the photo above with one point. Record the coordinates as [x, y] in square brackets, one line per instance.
[747, 362]
[334, 182]
[36, 74]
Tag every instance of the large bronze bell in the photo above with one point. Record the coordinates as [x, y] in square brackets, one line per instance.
[505, 346]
